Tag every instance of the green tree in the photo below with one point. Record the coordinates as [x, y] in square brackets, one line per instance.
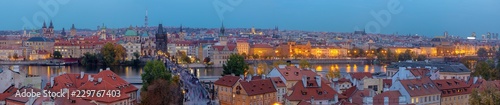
[484, 69]
[357, 52]
[57, 55]
[482, 52]
[154, 70]
[407, 55]
[89, 59]
[136, 58]
[160, 92]
[235, 65]
[421, 57]
[335, 73]
[186, 59]
[304, 64]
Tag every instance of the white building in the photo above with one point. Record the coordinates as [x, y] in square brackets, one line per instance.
[131, 48]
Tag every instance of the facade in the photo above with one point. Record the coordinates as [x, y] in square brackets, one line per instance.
[243, 47]
[68, 49]
[419, 91]
[161, 40]
[224, 89]
[453, 91]
[131, 48]
[8, 52]
[39, 44]
[445, 70]
[280, 88]
[328, 51]
[148, 48]
[131, 36]
[220, 54]
[262, 50]
[255, 92]
[48, 32]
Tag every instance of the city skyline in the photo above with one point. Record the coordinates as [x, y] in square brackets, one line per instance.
[423, 17]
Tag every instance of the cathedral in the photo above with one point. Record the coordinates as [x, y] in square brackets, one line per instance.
[48, 32]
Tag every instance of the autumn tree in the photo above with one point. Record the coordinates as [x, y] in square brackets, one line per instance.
[235, 65]
[487, 94]
[304, 64]
[160, 92]
[335, 73]
[154, 70]
[482, 52]
[113, 54]
[279, 62]
[263, 68]
[421, 57]
[485, 70]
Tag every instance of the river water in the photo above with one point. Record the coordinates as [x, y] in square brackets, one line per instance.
[129, 72]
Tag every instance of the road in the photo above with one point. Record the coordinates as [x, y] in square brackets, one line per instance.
[195, 94]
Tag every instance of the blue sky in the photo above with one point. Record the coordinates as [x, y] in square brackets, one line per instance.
[424, 17]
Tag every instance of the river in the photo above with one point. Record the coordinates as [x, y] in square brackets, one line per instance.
[128, 72]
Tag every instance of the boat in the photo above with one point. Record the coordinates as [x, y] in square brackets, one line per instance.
[53, 63]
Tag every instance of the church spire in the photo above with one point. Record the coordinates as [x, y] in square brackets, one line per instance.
[222, 30]
[51, 26]
[44, 25]
[180, 29]
[73, 26]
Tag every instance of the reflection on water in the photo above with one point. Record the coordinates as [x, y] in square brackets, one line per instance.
[47, 71]
[350, 67]
[127, 72]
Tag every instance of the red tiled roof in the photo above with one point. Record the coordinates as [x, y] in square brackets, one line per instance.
[8, 92]
[342, 80]
[292, 73]
[262, 46]
[361, 75]
[23, 99]
[278, 82]
[349, 92]
[387, 82]
[227, 80]
[231, 47]
[304, 102]
[256, 87]
[300, 92]
[392, 95]
[450, 87]
[357, 97]
[218, 48]
[422, 72]
[419, 87]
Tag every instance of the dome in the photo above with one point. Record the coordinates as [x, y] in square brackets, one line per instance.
[130, 33]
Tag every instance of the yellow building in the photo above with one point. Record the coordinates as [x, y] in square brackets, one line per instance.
[376, 84]
[300, 50]
[262, 50]
[223, 88]
[328, 51]
[453, 91]
[243, 47]
[68, 49]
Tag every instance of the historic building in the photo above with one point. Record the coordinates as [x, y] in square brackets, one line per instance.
[161, 40]
[48, 32]
[222, 50]
[131, 36]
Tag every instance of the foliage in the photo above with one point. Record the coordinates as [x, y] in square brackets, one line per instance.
[407, 55]
[481, 52]
[206, 60]
[185, 58]
[357, 52]
[89, 59]
[136, 56]
[235, 65]
[468, 61]
[487, 95]
[421, 57]
[279, 62]
[113, 54]
[263, 68]
[15, 56]
[485, 70]
[160, 92]
[154, 70]
[57, 55]
[304, 64]
[335, 73]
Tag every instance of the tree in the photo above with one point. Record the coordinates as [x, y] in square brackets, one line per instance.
[89, 59]
[357, 52]
[154, 70]
[304, 64]
[335, 73]
[481, 52]
[57, 55]
[136, 56]
[113, 54]
[421, 57]
[235, 65]
[279, 62]
[15, 56]
[484, 69]
[186, 59]
[206, 60]
[263, 68]
[487, 94]
[160, 92]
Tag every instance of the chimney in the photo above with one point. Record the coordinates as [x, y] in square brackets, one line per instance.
[297, 65]
[242, 77]
[249, 77]
[304, 80]
[99, 80]
[254, 70]
[108, 68]
[281, 66]
[475, 80]
[232, 74]
[312, 100]
[263, 76]
[427, 67]
[52, 81]
[386, 100]
[336, 98]
[350, 99]
[318, 80]
[100, 70]
[81, 75]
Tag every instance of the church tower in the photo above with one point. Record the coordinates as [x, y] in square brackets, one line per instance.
[50, 31]
[161, 39]
[44, 28]
[146, 20]
[63, 33]
[102, 33]
[73, 30]
[222, 35]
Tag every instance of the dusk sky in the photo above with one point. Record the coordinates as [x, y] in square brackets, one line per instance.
[423, 17]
